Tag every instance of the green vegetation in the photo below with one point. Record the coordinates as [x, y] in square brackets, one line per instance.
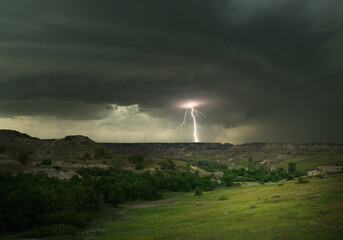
[198, 192]
[47, 162]
[298, 213]
[87, 156]
[260, 175]
[302, 180]
[51, 207]
[52, 230]
[23, 158]
[292, 167]
[28, 201]
[311, 160]
[136, 158]
[101, 153]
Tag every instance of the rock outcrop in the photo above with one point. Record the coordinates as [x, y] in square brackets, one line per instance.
[323, 170]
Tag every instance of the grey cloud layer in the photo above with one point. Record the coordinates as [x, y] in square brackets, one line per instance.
[258, 61]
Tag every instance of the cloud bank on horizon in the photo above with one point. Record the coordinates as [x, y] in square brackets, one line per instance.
[117, 70]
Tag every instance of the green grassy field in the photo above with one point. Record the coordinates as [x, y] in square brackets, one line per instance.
[308, 162]
[303, 211]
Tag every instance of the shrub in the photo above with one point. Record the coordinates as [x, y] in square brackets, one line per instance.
[87, 156]
[139, 166]
[222, 198]
[68, 217]
[52, 230]
[46, 162]
[23, 158]
[198, 192]
[292, 167]
[290, 177]
[302, 180]
[299, 173]
[136, 158]
[99, 153]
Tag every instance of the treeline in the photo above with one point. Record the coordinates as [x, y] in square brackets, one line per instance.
[252, 175]
[117, 186]
[28, 201]
[259, 174]
[35, 200]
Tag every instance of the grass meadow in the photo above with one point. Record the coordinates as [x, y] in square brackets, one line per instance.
[302, 211]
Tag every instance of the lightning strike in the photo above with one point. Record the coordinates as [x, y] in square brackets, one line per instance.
[194, 114]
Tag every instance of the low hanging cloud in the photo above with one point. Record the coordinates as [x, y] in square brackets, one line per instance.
[268, 70]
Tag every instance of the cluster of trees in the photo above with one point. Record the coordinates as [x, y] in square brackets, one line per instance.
[254, 174]
[28, 201]
[117, 186]
[34, 200]
[260, 175]
[211, 166]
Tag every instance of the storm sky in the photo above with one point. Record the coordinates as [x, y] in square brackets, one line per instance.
[117, 71]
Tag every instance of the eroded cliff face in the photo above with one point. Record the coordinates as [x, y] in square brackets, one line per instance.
[20, 152]
[80, 151]
[224, 152]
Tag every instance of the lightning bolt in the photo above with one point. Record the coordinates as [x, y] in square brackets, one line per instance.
[194, 113]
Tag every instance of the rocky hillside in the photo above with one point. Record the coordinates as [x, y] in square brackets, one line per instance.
[274, 154]
[20, 151]
[79, 151]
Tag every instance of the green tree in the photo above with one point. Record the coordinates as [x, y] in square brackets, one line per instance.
[251, 164]
[228, 179]
[136, 158]
[292, 167]
[198, 192]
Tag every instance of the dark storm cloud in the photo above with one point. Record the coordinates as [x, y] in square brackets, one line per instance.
[256, 61]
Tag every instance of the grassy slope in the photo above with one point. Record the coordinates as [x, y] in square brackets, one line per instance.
[309, 162]
[292, 216]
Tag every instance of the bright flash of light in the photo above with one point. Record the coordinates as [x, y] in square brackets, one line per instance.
[194, 114]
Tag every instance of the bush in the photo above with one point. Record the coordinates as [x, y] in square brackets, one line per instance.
[228, 179]
[136, 158]
[302, 180]
[46, 162]
[222, 198]
[87, 156]
[198, 192]
[292, 167]
[139, 166]
[51, 231]
[23, 158]
[290, 177]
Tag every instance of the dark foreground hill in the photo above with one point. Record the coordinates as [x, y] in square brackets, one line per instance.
[19, 151]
